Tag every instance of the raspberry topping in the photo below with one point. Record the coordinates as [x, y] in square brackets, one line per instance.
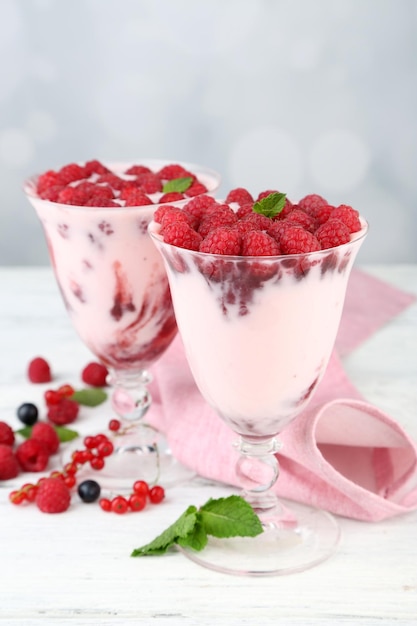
[240, 196]
[182, 235]
[295, 240]
[221, 217]
[311, 203]
[332, 233]
[172, 171]
[258, 243]
[134, 197]
[72, 172]
[347, 215]
[53, 496]
[171, 196]
[9, 466]
[222, 240]
[39, 371]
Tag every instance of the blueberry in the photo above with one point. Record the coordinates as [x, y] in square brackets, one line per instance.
[28, 413]
[89, 490]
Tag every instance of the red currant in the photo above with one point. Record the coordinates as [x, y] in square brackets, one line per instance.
[105, 448]
[119, 505]
[71, 468]
[137, 502]
[141, 488]
[89, 442]
[156, 494]
[30, 491]
[98, 439]
[70, 481]
[97, 462]
[52, 397]
[65, 391]
[17, 497]
[105, 504]
[114, 425]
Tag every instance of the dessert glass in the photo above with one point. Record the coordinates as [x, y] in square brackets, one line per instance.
[116, 292]
[273, 323]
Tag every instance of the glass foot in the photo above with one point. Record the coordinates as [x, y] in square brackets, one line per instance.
[302, 540]
[140, 453]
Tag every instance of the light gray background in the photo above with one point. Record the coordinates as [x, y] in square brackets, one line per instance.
[301, 95]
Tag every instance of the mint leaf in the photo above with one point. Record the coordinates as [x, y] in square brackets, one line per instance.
[25, 432]
[89, 397]
[182, 527]
[196, 539]
[64, 434]
[271, 205]
[230, 517]
[178, 184]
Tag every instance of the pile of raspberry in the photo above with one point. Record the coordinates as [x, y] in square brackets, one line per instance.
[234, 228]
[95, 185]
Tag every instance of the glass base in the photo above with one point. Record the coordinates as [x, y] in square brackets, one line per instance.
[142, 453]
[304, 539]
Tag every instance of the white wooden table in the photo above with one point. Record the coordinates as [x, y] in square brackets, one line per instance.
[75, 568]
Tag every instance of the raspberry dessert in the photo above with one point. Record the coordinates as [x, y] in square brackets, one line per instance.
[270, 289]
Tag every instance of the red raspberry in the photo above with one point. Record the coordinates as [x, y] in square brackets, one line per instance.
[51, 193]
[260, 222]
[240, 196]
[102, 191]
[174, 214]
[311, 203]
[6, 434]
[288, 207]
[278, 227]
[72, 172]
[333, 233]
[172, 171]
[114, 181]
[300, 217]
[172, 196]
[137, 170]
[48, 179]
[149, 183]
[222, 240]
[133, 196]
[160, 212]
[9, 467]
[64, 412]
[348, 216]
[199, 205]
[39, 371]
[182, 235]
[101, 201]
[196, 189]
[244, 210]
[32, 455]
[322, 213]
[95, 374]
[76, 196]
[265, 194]
[46, 434]
[95, 167]
[53, 496]
[223, 216]
[296, 240]
[258, 243]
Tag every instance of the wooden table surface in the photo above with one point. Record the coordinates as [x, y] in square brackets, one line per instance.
[75, 568]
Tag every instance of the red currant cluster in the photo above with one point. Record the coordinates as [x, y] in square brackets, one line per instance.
[97, 447]
[136, 501]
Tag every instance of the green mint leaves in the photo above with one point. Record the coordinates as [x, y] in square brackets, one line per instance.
[89, 397]
[64, 434]
[222, 518]
[270, 205]
[178, 184]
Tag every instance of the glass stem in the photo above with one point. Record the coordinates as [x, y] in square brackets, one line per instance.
[131, 398]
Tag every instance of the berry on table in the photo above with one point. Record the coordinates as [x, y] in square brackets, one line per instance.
[119, 505]
[64, 412]
[95, 374]
[137, 502]
[39, 370]
[9, 466]
[53, 496]
[89, 490]
[28, 413]
[47, 435]
[32, 456]
[114, 425]
[141, 488]
[156, 494]
[105, 504]
[6, 434]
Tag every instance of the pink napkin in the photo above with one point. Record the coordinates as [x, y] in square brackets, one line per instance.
[341, 454]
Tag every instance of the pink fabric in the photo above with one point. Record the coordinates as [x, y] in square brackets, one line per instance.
[341, 454]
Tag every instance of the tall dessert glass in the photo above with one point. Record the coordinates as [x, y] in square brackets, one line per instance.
[273, 323]
[116, 292]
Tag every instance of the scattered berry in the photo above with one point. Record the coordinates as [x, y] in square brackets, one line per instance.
[32, 455]
[119, 505]
[105, 504]
[89, 490]
[6, 435]
[65, 391]
[95, 374]
[53, 496]
[28, 413]
[39, 371]
[137, 502]
[47, 435]
[114, 425]
[9, 466]
[64, 412]
[156, 494]
[141, 488]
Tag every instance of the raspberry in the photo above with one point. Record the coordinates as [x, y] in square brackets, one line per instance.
[64, 412]
[70, 173]
[47, 180]
[172, 171]
[347, 215]
[224, 216]
[32, 455]
[101, 201]
[288, 207]
[278, 227]
[182, 235]
[137, 170]
[174, 214]
[95, 374]
[39, 371]
[134, 197]
[198, 205]
[300, 217]
[51, 193]
[222, 241]
[9, 467]
[322, 213]
[76, 196]
[102, 191]
[196, 189]
[95, 167]
[46, 434]
[265, 194]
[6, 434]
[149, 183]
[114, 181]
[295, 240]
[258, 243]
[160, 212]
[172, 196]
[333, 233]
[245, 209]
[239, 195]
[311, 203]
[53, 496]
[260, 222]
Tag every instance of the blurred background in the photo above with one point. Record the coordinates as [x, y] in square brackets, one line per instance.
[301, 95]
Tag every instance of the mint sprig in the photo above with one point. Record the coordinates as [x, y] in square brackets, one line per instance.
[64, 434]
[222, 518]
[271, 205]
[178, 184]
[89, 397]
